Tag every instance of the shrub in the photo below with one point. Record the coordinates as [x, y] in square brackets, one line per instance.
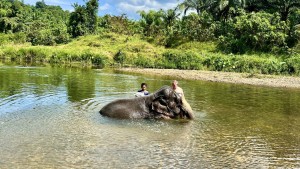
[293, 65]
[41, 37]
[99, 60]
[61, 36]
[49, 37]
[9, 53]
[294, 32]
[120, 57]
[64, 57]
[198, 28]
[4, 38]
[86, 56]
[32, 54]
[250, 64]
[181, 60]
[19, 38]
[255, 31]
[144, 61]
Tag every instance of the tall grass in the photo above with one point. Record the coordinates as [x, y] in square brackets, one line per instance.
[110, 49]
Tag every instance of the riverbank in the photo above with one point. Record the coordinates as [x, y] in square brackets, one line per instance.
[115, 50]
[226, 77]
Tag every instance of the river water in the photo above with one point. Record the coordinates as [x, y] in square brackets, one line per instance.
[49, 118]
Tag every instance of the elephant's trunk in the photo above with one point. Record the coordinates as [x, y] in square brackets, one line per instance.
[187, 109]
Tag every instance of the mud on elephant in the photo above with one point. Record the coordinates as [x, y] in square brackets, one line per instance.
[163, 104]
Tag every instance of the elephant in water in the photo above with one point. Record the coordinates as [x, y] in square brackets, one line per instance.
[163, 104]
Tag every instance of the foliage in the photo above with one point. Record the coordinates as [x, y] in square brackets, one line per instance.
[119, 24]
[78, 20]
[151, 22]
[256, 31]
[283, 7]
[120, 57]
[91, 10]
[12, 38]
[227, 9]
[220, 9]
[294, 29]
[84, 19]
[181, 60]
[198, 28]
[41, 25]
[144, 61]
[267, 32]
[99, 60]
[192, 55]
[198, 5]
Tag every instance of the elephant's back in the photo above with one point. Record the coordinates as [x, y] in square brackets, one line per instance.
[123, 109]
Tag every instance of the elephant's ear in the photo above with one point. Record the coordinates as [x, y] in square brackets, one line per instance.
[158, 97]
[163, 102]
[157, 107]
[178, 98]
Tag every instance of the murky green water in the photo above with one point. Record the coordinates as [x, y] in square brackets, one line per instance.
[49, 119]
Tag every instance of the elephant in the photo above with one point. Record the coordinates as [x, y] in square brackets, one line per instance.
[165, 103]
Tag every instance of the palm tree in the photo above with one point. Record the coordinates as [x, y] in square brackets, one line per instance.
[151, 21]
[222, 8]
[285, 7]
[170, 16]
[198, 5]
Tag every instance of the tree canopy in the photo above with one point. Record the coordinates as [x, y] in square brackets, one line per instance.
[250, 25]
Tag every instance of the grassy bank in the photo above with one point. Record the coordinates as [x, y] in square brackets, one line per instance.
[111, 49]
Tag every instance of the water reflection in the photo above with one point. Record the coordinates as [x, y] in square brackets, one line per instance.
[49, 118]
[80, 84]
[270, 115]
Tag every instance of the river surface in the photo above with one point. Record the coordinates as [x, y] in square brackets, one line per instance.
[49, 118]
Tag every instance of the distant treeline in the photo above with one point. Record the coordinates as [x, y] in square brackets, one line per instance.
[237, 26]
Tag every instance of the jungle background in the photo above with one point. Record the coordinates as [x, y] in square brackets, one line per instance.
[254, 36]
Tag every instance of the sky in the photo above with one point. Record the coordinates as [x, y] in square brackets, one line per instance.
[116, 7]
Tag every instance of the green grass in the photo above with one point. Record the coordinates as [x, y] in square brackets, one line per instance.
[110, 49]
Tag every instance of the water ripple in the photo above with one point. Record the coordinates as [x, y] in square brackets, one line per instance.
[45, 125]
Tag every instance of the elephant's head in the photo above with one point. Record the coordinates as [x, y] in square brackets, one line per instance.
[169, 104]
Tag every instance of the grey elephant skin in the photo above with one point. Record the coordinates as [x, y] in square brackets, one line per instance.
[162, 104]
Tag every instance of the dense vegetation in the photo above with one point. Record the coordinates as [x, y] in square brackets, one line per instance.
[256, 36]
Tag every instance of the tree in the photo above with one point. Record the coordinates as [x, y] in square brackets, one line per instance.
[170, 16]
[84, 19]
[119, 24]
[255, 5]
[151, 22]
[10, 12]
[198, 28]
[224, 9]
[5, 8]
[92, 10]
[259, 31]
[294, 28]
[198, 5]
[40, 4]
[77, 21]
[284, 7]
[171, 33]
